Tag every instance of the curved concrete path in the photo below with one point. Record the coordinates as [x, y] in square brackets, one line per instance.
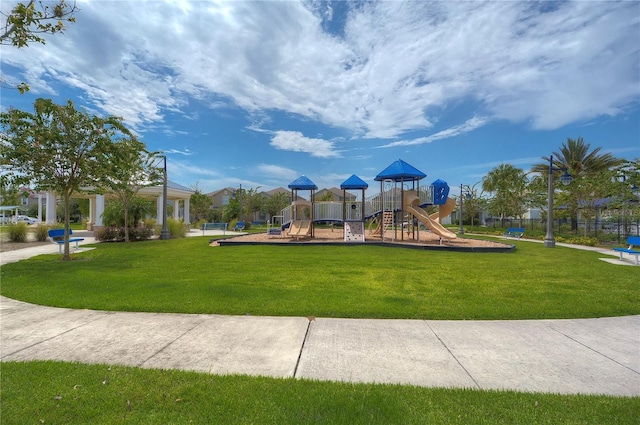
[580, 356]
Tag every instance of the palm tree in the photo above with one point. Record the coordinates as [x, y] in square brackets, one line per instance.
[574, 155]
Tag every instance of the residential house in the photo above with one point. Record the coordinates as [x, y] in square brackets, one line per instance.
[335, 194]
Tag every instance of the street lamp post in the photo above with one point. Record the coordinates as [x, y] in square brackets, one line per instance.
[164, 234]
[549, 240]
[463, 187]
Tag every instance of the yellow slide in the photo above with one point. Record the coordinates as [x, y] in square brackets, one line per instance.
[411, 205]
[300, 228]
[444, 210]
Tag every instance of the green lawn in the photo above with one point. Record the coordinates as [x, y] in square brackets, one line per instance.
[188, 276]
[67, 393]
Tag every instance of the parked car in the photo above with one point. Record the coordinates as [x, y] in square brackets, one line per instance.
[26, 219]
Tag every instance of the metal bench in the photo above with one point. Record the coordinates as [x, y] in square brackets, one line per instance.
[56, 236]
[214, 226]
[514, 232]
[633, 249]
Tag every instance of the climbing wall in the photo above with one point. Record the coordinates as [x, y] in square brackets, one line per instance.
[354, 231]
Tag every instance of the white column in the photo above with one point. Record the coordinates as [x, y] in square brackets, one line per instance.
[51, 208]
[186, 212]
[176, 210]
[159, 217]
[99, 210]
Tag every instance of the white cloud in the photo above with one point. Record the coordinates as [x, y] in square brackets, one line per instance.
[466, 127]
[276, 172]
[185, 152]
[398, 67]
[297, 142]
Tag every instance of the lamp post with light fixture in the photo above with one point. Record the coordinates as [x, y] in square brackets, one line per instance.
[565, 179]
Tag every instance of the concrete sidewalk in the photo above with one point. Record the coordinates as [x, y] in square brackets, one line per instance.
[580, 356]
[561, 356]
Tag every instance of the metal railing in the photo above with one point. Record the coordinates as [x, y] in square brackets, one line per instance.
[391, 200]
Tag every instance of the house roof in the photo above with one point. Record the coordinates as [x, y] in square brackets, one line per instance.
[275, 191]
[336, 193]
[174, 185]
[215, 192]
[400, 171]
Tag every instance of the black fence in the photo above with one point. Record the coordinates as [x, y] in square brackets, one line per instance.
[606, 231]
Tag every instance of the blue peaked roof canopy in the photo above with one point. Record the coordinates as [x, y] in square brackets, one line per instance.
[400, 171]
[302, 183]
[354, 182]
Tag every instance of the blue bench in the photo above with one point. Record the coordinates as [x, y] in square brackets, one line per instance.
[214, 226]
[514, 232]
[633, 249]
[56, 236]
[239, 227]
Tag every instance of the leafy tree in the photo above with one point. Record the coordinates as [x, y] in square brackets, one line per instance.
[253, 200]
[625, 200]
[57, 148]
[582, 164]
[84, 207]
[592, 191]
[275, 203]
[243, 201]
[128, 168]
[509, 187]
[233, 208]
[9, 191]
[628, 176]
[28, 23]
[473, 204]
[75, 211]
[199, 203]
[138, 208]
[326, 197]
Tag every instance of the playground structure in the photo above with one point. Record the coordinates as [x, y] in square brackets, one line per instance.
[397, 209]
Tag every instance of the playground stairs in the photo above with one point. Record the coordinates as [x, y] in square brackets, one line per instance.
[387, 221]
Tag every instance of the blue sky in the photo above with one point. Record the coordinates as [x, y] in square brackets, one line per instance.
[259, 93]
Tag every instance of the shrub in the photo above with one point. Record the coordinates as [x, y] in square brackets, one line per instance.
[176, 229]
[116, 234]
[18, 232]
[41, 232]
[140, 233]
[581, 240]
[109, 234]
